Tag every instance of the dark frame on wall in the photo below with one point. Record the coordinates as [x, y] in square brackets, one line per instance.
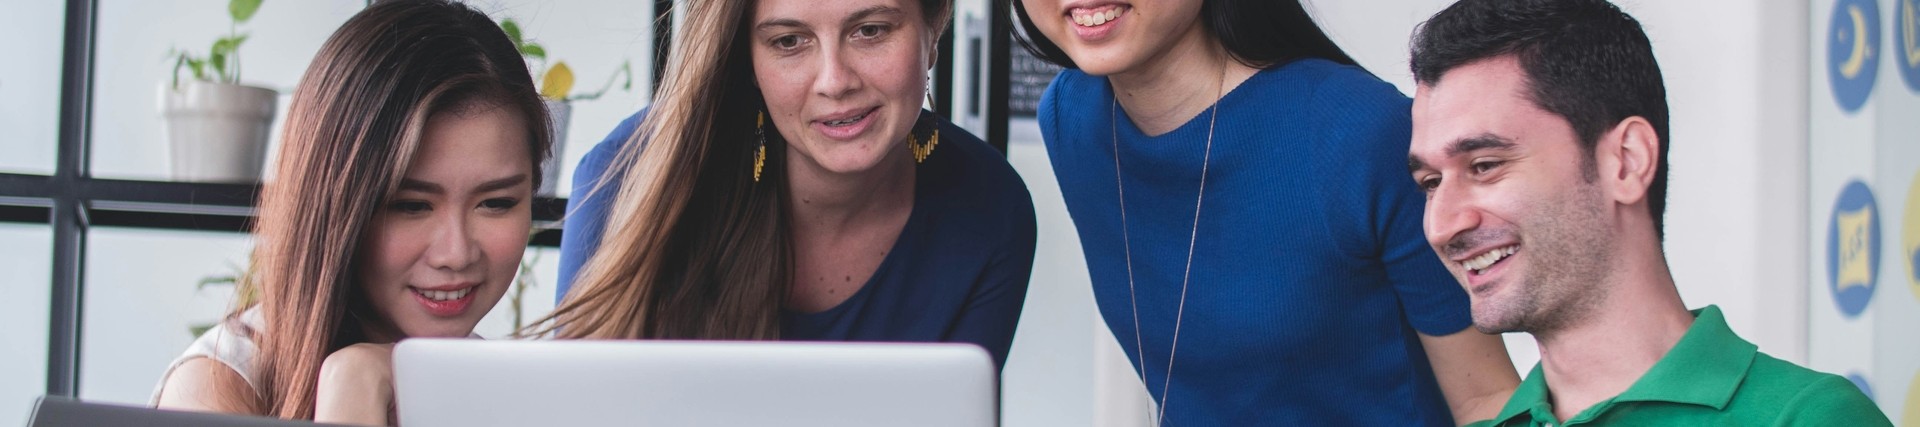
[72, 201]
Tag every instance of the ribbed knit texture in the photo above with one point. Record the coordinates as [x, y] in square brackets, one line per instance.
[1310, 275]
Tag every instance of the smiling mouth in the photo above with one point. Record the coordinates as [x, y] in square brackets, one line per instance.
[445, 295]
[1479, 264]
[1096, 16]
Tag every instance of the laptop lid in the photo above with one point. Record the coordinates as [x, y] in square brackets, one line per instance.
[55, 411]
[467, 382]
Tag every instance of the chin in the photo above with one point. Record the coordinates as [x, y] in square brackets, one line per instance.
[442, 329]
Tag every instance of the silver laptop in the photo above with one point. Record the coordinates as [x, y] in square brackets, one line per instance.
[55, 411]
[469, 382]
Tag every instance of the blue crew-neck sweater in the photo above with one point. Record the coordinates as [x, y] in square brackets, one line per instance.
[957, 273]
[1310, 278]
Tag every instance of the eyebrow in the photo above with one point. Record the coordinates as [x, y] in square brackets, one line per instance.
[1483, 141]
[432, 188]
[860, 15]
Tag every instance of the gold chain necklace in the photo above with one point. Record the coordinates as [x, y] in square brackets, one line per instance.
[1126, 242]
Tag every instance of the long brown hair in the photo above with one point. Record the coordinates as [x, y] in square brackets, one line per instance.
[356, 120]
[694, 248]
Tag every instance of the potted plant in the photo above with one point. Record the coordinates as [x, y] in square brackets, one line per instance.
[556, 83]
[217, 128]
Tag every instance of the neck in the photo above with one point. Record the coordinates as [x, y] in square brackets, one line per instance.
[1637, 322]
[1171, 88]
[827, 201]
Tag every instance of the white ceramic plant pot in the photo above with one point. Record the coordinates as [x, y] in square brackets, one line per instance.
[559, 113]
[216, 132]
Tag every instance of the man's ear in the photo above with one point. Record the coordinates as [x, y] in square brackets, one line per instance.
[1628, 157]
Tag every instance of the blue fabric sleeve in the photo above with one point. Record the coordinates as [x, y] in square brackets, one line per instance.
[587, 207]
[1381, 205]
[993, 310]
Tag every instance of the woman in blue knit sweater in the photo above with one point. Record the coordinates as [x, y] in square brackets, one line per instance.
[1240, 190]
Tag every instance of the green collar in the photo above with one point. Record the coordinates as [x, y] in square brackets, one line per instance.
[1705, 368]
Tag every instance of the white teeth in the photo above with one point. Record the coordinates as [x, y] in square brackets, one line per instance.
[848, 121]
[445, 295]
[1096, 19]
[1481, 262]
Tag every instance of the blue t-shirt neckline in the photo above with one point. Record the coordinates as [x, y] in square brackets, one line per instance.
[915, 217]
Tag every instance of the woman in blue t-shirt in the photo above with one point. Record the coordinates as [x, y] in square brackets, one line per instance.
[1252, 237]
[791, 187]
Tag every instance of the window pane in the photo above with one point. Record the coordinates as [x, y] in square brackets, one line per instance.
[26, 253]
[30, 85]
[142, 300]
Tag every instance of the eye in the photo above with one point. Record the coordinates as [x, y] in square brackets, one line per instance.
[1482, 166]
[1429, 183]
[870, 31]
[409, 207]
[502, 204]
[785, 42]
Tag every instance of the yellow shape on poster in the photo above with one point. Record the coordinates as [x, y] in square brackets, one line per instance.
[1856, 248]
[1911, 416]
[1910, 246]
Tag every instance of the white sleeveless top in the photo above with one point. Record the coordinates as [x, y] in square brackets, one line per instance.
[223, 344]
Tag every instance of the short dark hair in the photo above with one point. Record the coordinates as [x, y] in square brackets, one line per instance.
[1258, 33]
[1585, 60]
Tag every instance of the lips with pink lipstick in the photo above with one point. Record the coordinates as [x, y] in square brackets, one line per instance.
[445, 300]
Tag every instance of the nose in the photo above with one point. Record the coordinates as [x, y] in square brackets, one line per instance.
[1450, 212]
[453, 246]
[837, 77]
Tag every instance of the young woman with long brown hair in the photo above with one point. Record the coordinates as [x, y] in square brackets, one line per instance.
[400, 209]
[791, 187]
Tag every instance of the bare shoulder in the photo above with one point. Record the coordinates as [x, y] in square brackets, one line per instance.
[206, 385]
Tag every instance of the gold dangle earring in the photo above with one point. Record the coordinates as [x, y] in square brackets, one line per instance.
[760, 132]
[920, 152]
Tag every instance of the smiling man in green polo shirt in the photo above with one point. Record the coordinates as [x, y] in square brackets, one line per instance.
[1540, 137]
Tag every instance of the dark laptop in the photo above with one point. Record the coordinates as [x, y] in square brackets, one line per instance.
[55, 411]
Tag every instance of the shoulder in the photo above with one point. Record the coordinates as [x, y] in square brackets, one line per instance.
[205, 384]
[1069, 96]
[975, 179]
[603, 152]
[1807, 396]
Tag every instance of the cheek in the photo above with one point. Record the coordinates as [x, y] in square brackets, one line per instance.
[504, 245]
[385, 253]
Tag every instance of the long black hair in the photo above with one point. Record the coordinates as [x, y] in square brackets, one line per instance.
[1257, 33]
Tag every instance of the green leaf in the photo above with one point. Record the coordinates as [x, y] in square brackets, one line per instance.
[242, 10]
[216, 280]
[199, 67]
[219, 62]
[533, 50]
[626, 70]
[199, 329]
[512, 29]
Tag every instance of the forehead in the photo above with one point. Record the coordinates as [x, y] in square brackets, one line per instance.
[485, 138]
[828, 12]
[1486, 97]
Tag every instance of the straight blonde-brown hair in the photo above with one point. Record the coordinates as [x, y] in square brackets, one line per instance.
[694, 248]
